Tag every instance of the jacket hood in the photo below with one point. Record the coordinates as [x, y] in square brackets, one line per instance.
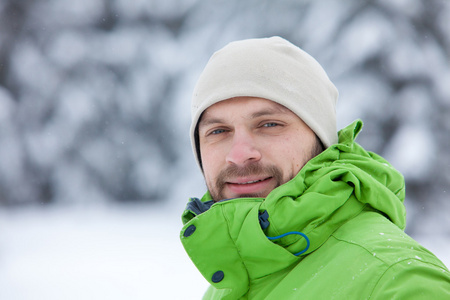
[330, 189]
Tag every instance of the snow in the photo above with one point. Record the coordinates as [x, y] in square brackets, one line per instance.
[106, 252]
[110, 252]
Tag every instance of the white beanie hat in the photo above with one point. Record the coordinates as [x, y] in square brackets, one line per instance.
[273, 69]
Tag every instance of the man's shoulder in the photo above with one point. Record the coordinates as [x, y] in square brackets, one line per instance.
[383, 240]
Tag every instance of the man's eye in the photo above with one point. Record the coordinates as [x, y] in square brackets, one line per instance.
[217, 131]
[270, 125]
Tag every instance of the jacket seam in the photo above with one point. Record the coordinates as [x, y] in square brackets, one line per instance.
[370, 253]
[395, 264]
[367, 250]
[387, 265]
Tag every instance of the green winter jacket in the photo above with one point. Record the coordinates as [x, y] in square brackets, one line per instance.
[346, 206]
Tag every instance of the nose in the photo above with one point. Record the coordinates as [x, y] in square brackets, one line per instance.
[243, 149]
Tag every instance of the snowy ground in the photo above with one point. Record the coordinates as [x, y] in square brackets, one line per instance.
[122, 252]
[111, 252]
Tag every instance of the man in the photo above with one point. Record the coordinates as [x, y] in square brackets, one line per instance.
[294, 210]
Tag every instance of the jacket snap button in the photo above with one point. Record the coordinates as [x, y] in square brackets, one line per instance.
[189, 231]
[217, 277]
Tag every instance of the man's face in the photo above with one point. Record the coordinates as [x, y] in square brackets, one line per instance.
[249, 146]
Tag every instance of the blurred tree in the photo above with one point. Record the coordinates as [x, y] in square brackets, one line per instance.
[94, 95]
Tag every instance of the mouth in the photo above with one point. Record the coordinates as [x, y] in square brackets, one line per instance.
[258, 187]
[250, 182]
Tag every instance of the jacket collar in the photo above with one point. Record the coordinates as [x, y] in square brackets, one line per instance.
[228, 238]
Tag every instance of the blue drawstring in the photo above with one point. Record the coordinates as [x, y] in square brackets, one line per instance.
[264, 222]
[289, 233]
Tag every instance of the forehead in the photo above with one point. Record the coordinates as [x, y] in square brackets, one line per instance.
[247, 107]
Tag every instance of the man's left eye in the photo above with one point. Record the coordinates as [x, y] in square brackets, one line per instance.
[270, 125]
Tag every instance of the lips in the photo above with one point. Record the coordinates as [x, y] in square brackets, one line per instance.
[249, 182]
[256, 187]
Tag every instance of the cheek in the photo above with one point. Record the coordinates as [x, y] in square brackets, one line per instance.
[211, 163]
[292, 156]
[283, 155]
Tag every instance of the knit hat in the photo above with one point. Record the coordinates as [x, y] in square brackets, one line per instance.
[273, 69]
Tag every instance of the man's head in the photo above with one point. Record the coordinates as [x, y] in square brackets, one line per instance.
[249, 81]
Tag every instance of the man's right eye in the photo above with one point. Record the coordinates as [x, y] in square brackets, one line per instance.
[217, 131]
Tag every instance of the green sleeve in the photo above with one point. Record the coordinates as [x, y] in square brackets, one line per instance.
[413, 279]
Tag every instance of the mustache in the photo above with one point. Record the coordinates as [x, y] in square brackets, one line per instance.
[255, 169]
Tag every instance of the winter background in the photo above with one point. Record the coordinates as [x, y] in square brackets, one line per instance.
[95, 159]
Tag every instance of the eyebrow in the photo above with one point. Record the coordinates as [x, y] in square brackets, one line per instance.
[269, 111]
[209, 121]
[204, 121]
